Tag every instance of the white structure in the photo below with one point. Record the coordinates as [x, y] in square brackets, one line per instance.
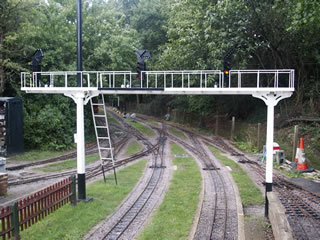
[271, 86]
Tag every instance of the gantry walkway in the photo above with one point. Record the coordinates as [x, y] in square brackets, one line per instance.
[211, 82]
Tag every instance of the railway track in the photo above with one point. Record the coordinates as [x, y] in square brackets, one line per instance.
[121, 224]
[92, 171]
[220, 214]
[217, 220]
[89, 150]
[215, 216]
[302, 206]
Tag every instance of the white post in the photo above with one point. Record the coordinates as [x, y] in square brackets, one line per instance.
[269, 145]
[80, 99]
[81, 161]
[271, 99]
[80, 136]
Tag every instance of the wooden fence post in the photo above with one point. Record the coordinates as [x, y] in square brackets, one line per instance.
[15, 221]
[217, 125]
[73, 197]
[259, 137]
[184, 116]
[233, 124]
[295, 142]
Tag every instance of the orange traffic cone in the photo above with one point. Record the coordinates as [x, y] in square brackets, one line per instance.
[302, 164]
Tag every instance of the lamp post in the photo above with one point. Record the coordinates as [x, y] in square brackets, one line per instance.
[79, 99]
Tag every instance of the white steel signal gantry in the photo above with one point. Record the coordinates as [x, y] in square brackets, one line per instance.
[271, 86]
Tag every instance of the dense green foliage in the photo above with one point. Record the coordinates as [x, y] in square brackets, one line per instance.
[266, 34]
[180, 34]
[49, 121]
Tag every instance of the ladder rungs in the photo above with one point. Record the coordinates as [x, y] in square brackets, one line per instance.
[101, 127]
[103, 138]
[98, 115]
[106, 158]
[102, 148]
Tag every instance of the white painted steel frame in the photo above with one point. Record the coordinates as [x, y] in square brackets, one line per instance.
[90, 87]
[153, 80]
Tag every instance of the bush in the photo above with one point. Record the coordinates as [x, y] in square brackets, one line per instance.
[49, 122]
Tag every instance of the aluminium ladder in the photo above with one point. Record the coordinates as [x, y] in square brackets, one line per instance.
[101, 127]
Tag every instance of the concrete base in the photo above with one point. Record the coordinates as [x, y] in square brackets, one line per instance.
[280, 225]
[88, 199]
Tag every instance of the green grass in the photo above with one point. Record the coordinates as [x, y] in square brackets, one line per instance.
[71, 222]
[68, 164]
[249, 192]
[177, 133]
[290, 173]
[133, 148]
[36, 155]
[174, 217]
[112, 120]
[142, 128]
[247, 146]
[154, 123]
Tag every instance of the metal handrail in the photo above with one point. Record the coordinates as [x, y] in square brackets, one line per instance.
[274, 78]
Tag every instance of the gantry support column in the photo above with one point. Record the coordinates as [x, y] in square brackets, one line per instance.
[81, 166]
[271, 99]
[81, 98]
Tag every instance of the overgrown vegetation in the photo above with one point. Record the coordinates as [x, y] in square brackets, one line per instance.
[311, 136]
[175, 214]
[72, 222]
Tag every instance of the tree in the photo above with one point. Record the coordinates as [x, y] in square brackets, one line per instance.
[150, 20]
[14, 14]
[108, 43]
[49, 121]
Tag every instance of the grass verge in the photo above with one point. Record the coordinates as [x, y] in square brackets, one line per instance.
[74, 222]
[36, 155]
[175, 214]
[154, 123]
[133, 148]
[113, 120]
[142, 128]
[68, 164]
[249, 192]
[177, 133]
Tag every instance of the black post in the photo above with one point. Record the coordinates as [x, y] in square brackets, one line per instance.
[266, 207]
[82, 186]
[79, 41]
